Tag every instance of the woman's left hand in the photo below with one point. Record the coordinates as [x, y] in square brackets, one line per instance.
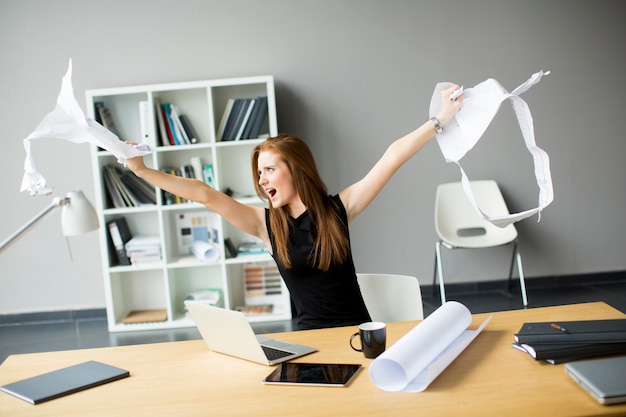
[449, 107]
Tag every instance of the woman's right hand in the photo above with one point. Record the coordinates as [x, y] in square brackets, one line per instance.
[135, 164]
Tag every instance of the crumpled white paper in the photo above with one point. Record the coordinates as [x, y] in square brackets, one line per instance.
[480, 105]
[68, 122]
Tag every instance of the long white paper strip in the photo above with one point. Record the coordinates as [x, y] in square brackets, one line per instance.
[68, 122]
[460, 134]
[414, 361]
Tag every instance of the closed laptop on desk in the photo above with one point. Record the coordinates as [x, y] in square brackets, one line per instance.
[65, 381]
[604, 379]
[229, 332]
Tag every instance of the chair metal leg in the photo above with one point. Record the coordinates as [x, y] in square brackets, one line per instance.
[512, 264]
[439, 271]
[517, 257]
[522, 282]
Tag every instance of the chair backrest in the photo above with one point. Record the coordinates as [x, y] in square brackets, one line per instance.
[458, 223]
[391, 297]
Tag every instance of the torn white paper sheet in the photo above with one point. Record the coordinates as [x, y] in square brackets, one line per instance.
[68, 122]
[480, 105]
[414, 361]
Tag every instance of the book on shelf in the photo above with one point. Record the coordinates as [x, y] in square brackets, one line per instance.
[163, 137]
[145, 316]
[175, 128]
[208, 176]
[188, 128]
[195, 169]
[234, 116]
[170, 121]
[241, 125]
[105, 118]
[259, 113]
[144, 249]
[224, 119]
[242, 118]
[125, 189]
[252, 247]
[229, 246]
[183, 138]
[196, 164]
[119, 235]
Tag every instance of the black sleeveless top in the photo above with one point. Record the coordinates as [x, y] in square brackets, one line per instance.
[321, 299]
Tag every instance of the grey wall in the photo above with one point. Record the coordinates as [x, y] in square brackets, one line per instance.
[351, 77]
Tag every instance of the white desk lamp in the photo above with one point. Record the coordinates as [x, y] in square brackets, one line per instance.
[77, 216]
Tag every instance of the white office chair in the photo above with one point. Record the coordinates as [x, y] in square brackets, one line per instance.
[459, 226]
[391, 298]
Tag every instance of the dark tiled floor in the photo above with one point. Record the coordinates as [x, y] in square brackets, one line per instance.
[88, 329]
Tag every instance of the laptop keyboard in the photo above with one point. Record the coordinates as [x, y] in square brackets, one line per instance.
[273, 354]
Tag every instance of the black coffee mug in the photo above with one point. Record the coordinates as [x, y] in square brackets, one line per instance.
[373, 337]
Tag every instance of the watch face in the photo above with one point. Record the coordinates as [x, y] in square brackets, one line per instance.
[438, 127]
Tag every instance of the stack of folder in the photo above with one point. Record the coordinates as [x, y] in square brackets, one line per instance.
[565, 341]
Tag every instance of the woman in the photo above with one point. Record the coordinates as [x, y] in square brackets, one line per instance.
[306, 229]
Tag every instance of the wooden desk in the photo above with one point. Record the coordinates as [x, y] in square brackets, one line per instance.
[489, 378]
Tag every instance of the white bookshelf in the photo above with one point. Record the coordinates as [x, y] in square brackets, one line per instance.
[165, 284]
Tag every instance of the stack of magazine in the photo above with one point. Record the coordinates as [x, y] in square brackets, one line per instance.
[565, 341]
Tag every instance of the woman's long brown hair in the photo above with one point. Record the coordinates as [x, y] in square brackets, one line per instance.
[331, 244]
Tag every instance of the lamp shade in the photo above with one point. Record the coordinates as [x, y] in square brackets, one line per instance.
[78, 215]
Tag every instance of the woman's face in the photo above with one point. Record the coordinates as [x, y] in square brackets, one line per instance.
[276, 180]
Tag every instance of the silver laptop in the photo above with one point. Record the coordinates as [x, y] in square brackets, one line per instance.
[229, 332]
[604, 379]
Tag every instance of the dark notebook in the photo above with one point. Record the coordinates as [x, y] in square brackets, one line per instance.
[561, 350]
[64, 381]
[585, 331]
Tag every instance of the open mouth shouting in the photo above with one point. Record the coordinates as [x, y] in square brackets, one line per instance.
[271, 192]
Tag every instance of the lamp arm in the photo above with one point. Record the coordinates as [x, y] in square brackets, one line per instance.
[57, 202]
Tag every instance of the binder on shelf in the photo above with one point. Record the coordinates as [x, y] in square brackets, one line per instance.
[145, 120]
[120, 235]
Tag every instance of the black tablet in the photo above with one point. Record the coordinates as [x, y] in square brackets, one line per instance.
[316, 374]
